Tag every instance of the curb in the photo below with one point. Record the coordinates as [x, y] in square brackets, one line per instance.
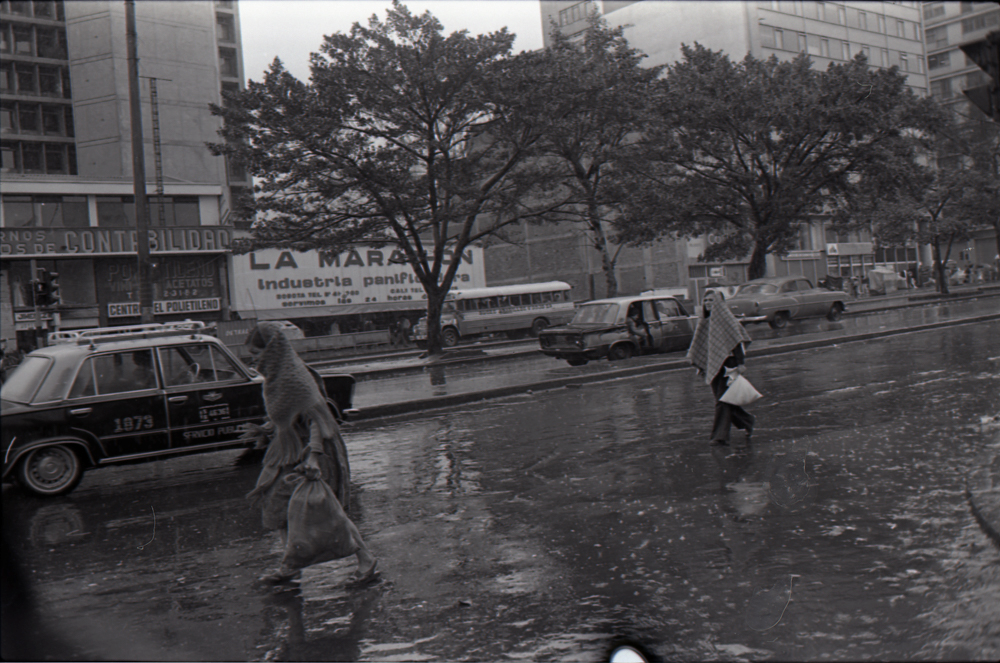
[441, 402]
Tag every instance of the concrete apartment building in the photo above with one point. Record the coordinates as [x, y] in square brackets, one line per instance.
[947, 26]
[888, 33]
[67, 193]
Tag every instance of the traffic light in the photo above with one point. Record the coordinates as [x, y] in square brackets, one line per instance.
[986, 54]
[46, 289]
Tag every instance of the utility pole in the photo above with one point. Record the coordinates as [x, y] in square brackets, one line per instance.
[138, 171]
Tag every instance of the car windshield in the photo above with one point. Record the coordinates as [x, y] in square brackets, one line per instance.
[589, 314]
[757, 289]
[23, 382]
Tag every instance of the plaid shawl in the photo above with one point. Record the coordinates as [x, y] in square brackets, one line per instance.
[714, 340]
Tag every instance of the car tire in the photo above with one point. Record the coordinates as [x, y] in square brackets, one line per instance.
[49, 471]
[620, 352]
[579, 361]
[538, 325]
[836, 311]
[780, 320]
[449, 337]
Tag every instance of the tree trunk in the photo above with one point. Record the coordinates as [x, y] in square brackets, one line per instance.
[435, 302]
[758, 263]
[939, 270]
[601, 244]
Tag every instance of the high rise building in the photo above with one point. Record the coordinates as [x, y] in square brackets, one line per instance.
[67, 193]
[947, 26]
[887, 33]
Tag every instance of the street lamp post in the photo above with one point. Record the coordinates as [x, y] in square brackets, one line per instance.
[138, 170]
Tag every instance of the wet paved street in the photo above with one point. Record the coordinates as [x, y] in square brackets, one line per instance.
[541, 526]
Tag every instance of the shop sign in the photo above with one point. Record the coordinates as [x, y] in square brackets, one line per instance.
[56, 242]
[29, 316]
[277, 279]
[166, 307]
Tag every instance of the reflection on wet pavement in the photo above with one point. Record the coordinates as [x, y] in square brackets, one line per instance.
[546, 526]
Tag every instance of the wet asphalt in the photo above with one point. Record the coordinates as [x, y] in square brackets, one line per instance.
[548, 525]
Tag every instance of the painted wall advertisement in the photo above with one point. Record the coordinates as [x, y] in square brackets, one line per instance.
[362, 278]
[181, 286]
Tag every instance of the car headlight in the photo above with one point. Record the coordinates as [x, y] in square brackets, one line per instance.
[579, 342]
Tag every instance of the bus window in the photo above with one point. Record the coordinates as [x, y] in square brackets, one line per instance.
[484, 303]
[546, 297]
[503, 301]
[557, 296]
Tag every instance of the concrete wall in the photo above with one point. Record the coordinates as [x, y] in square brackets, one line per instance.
[176, 45]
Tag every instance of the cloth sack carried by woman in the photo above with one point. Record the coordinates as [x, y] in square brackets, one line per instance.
[740, 391]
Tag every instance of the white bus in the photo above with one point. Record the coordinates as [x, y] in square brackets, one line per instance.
[511, 309]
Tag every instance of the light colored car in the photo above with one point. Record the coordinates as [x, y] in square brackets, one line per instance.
[600, 329]
[777, 300]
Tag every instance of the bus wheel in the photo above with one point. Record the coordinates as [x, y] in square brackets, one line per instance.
[449, 337]
[538, 325]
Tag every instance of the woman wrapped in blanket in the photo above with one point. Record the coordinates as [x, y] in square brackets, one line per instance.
[296, 405]
[717, 351]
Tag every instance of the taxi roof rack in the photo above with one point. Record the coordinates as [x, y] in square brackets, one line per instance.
[96, 334]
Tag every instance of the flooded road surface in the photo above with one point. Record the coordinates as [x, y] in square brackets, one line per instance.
[445, 379]
[542, 527]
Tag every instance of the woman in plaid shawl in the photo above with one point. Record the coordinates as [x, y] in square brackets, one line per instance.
[717, 352]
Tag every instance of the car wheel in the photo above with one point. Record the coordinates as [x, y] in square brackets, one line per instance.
[538, 325]
[836, 311]
[578, 361]
[780, 321]
[449, 337]
[51, 470]
[620, 352]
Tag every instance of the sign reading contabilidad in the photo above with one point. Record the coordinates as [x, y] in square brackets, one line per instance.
[166, 307]
[277, 279]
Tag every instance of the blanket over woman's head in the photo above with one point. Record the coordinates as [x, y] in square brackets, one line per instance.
[290, 391]
[716, 337]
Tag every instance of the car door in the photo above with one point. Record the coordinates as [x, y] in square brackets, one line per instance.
[677, 327]
[117, 398]
[208, 398]
[652, 323]
[788, 295]
[814, 300]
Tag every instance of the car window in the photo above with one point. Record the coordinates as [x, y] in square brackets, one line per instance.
[757, 289]
[24, 380]
[648, 312]
[115, 373]
[596, 313]
[791, 286]
[54, 386]
[667, 308]
[195, 364]
[804, 284]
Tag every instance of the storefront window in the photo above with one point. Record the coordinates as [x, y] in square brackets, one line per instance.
[45, 212]
[115, 211]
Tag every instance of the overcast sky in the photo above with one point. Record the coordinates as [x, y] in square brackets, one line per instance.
[292, 29]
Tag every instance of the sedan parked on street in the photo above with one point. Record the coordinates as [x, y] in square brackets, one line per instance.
[129, 394]
[600, 329]
[777, 300]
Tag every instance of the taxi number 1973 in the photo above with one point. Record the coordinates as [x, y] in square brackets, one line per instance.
[129, 424]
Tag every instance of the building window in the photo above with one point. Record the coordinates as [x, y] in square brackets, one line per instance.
[7, 77]
[23, 40]
[939, 60]
[904, 62]
[225, 29]
[901, 28]
[227, 62]
[841, 16]
[980, 22]
[824, 47]
[881, 24]
[941, 89]
[45, 211]
[863, 20]
[966, 7]
[937, 37]
[779, 39]
[845, 50]
[5, 40]
[9, 158]
[934, 9]
[802, 43]
[821, 11]
[866, 51]
[577, 12]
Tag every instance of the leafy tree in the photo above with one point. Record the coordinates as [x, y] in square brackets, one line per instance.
[402, 136]
[940, 201]
[748, 150]
[601, 101]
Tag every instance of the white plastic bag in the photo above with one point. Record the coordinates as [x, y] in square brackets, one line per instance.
[740, 392]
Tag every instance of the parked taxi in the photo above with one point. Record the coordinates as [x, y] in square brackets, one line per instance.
[128, 394]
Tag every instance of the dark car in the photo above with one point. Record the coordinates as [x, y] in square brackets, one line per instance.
[600, 329]
[129, 394]
[777, 300]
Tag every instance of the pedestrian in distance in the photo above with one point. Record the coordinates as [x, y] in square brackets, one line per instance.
[717, 351]
[305, 450]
